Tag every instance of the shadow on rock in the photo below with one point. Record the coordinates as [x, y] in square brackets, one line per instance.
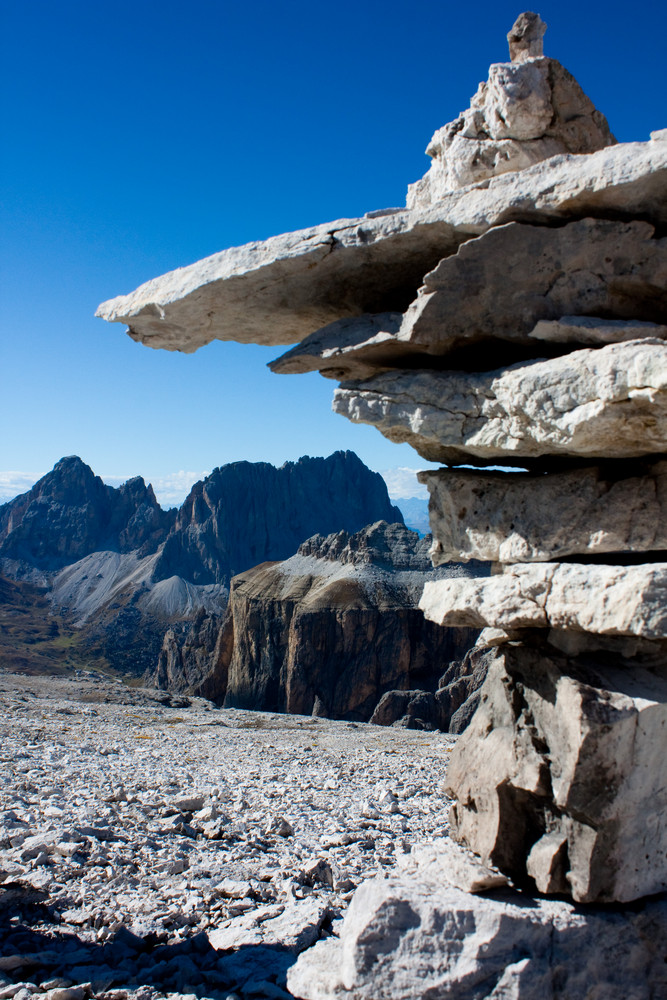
[36, 954]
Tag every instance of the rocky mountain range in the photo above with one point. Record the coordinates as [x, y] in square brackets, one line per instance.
[118, 570]
[331, 631]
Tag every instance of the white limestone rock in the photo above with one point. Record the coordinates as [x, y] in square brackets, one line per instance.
[606, 600]
[607, 402]
[525, 37]
[528, 110]
[363, 346]
[486, 290]
[283, 289]
[524, 113]
[522, 517]
[446, 862]
[293, 927]
[410, 938]
[594, 331]
[559, 775]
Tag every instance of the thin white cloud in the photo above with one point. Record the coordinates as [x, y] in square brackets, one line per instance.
[402, 483]
[13, 483]
[172, 489]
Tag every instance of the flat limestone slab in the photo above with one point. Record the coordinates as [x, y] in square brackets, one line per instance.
[607, 600]
[520, 517]
[281, 290]
[503, 283]
[353, 348]
[607, 402]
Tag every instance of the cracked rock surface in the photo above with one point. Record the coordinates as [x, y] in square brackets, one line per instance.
[413, 936]
[150, 851]
[610, 600]
[559, 775]
[610, 401]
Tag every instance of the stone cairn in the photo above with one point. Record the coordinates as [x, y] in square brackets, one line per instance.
[514, 315]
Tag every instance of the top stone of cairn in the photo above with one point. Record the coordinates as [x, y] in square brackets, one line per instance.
[526, 37]
[528, 110]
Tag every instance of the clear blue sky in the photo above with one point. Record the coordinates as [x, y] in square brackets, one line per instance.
[139, 137]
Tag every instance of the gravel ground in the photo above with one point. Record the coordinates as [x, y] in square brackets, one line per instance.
[153, 846]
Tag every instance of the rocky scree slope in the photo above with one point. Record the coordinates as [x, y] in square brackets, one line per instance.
[331, 631]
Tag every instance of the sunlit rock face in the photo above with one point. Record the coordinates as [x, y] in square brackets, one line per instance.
[513, 315]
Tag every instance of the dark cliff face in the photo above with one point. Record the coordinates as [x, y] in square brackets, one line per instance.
[70, 513]
[193, 663]
[330, 648]
[329, 631]
[246, 513]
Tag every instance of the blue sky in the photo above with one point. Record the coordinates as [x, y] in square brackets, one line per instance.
[139, 137]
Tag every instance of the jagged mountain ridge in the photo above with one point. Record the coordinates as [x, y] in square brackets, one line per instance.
[121, 569]
[70, 513]
[225, 525]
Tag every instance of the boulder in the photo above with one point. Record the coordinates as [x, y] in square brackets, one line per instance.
[558, 778]
[521, 517]
[604, 599]
[408, 709]
[610, 401]
[414, 936]
[448, 709]
[525, 37]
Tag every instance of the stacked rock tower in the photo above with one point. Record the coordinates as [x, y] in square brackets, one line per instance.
[514, 315]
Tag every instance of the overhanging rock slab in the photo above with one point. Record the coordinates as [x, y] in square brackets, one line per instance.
[281, 290]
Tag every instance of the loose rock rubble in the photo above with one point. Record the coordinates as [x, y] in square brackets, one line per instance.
[154, 847]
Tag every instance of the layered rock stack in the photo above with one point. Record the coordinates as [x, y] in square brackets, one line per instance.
[514, 315]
